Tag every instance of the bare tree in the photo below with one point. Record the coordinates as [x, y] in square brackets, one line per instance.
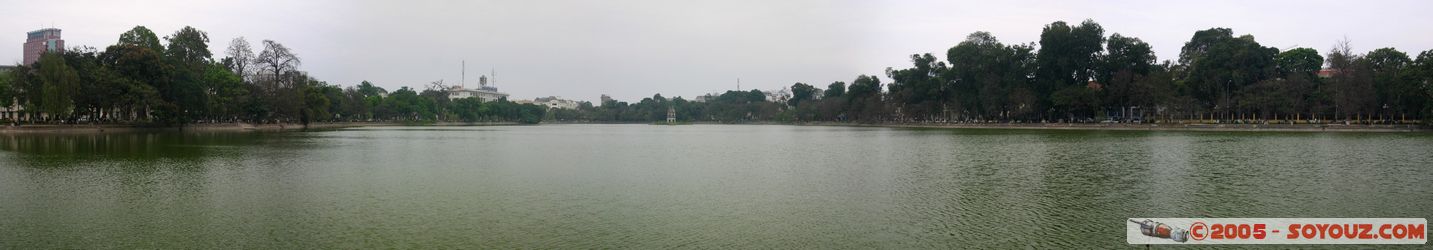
[1352, 83]
[438, 86]
[240, 55]
[276, 60]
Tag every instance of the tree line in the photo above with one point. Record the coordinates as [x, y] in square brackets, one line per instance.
[1076, 73]
[140, 80]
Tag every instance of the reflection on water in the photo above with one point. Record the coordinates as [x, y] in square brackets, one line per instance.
[150, 145]
[606, 186]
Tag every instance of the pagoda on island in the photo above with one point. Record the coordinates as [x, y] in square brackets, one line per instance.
[671, 115]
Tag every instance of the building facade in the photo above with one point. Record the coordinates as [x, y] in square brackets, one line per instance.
[484, 92]
[552, 102]
[40, 41]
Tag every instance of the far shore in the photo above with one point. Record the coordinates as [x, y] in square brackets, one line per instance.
[271, 127]
[216, 127]
[1386, 128]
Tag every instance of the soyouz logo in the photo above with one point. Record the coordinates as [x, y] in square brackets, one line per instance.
[1276, 231]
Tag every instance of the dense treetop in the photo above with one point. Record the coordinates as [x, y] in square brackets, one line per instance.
[138, 80]
[1074, 73]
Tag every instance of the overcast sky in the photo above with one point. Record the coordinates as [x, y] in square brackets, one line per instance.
[633, 49]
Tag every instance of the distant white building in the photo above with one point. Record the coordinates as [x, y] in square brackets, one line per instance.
[484, 92]
[778, 96]
[552, 102]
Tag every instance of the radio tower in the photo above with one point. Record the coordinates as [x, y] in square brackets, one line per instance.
[463, 83]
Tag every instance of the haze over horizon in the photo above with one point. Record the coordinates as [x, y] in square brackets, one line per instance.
[634, 49]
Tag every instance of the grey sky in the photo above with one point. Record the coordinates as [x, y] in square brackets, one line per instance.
[633, 49]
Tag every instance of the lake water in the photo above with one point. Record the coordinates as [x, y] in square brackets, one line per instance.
[694, 186]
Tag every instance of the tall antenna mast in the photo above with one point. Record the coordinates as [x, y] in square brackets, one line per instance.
[464, 82]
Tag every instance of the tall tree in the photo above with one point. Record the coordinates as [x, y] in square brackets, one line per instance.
[864, 98]
[1067, 60]
[61, 83]
[1351, 85]
[1127, 61]
[368, 89]
[991, 78]
[1068, 54]
[240, 55]
[1219, 65]
[7, 89]
[1300, 60]
[835, 90]
[190, 47]
[1126, 54]
[1421, 73]
[1396, 92]
[189, 53]
[141, 36]
[801, 92]
[276, 60]
[229, 92]
[143, 72]
[920, 90]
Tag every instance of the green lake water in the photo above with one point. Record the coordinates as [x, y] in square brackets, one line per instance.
[694, 186]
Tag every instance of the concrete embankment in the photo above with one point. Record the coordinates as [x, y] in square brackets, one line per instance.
[120, 128]
[1152, 127]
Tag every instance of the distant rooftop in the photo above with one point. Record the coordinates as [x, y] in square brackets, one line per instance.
[42, 31]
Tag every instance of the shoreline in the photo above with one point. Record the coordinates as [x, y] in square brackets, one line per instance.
[217, 127]
[1336, 128]
[276, 127]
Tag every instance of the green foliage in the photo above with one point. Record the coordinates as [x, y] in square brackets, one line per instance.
[991, 79]
[469, 109]
[920, 89]
[1127, 74]
[228, 92]
[1068, 54]
[864, 87]
[1397, 92]
[801, 92]
[1126, 54]
[7, 88]
[189, 47]
[1076, 74]
[835, 90]
[1421, 73]
[61, 83]
[1300, 61]
[1076, 101]
[142, 37]
[1068, 57]
[1387, 59]
[1220, 64]
[367, 89]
